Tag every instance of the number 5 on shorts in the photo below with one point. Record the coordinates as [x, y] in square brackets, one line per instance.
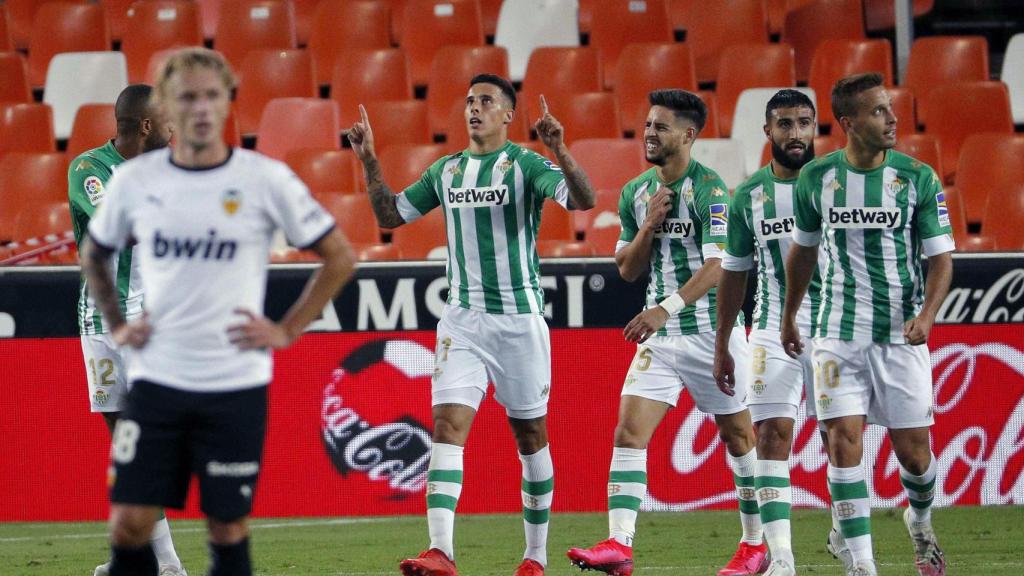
[126, 436]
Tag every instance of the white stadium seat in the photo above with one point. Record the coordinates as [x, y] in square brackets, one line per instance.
[1013, 76]
[748, 122]
[724, 156]
[76, 78]
[526, 24]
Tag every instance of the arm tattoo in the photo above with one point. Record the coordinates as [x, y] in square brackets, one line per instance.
[96, 267]
[381, 197]
[581, 194]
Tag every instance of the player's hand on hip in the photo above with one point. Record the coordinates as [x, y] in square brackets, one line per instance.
[790, 336]
[135, 333]
[658, 207]
[725, 372]
[257, 332]
[549, 130]
[916, 330]
[645, 324]
[360, 136]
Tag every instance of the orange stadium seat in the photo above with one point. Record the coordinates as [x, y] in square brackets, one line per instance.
[6, 43]
[365, 76]
[751, 66]
[609, 163]
[709, 32]
[923, 147]
[255, 25]
[489, 10]
[712, 127]
[450, 74]
[209, 16]
[329, 42]
[561, 70]
[583, 115]
[46, 221]
[619, 23]
[430, 24]
[398, 122]
[457, 134]
[26, 128]
[959, 110]
[48, 184]
[957, 220]
[94, 125]
[936, 61]
[397, 10]
[14, 86]
[155, 25]
[977, 243]
[290, 123]
[809, 25]
[117, 16]
[269, 74]
[646, 67]
[835, 59]
[1003, 217]
[556, 223]
[990, 166]
[565, 249]
[603, 239]
[20, 17]
[326, 171]
[403, 164]
[777, 10]
[354, 215]
[156, 61]
[424, 238]
[881, 14]
[377, 252]
[232, 135]
[305, 11]
[604, 213]
[61, 28]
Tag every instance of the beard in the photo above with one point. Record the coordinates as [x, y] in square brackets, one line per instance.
[660, 158]
[780, 155]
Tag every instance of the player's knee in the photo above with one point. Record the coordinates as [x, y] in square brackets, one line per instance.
[228, 533]
[627, 436]
[773, 441]
[531, 435]
[130, 529]
[738, 439]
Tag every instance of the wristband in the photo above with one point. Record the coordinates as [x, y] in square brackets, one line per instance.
[673, 304]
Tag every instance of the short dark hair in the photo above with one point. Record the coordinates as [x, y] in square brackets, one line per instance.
[846, 90]
[788, 98]
[684, 104]
[132, 107]
[506, 87]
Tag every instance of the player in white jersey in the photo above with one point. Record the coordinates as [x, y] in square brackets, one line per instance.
[875, 212]
[140, 128]
[201, 216]
[674, 218]
[762, 222]
[493, 327]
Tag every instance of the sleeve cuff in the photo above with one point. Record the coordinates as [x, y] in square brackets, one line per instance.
[101, 243]
[562, 194]
[737, 263]
[712, 250]
[316, 240]
[937, 245]
[620, 245]
[805, 238]
[406, 210]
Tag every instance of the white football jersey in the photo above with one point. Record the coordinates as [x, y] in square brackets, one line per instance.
[203, 243]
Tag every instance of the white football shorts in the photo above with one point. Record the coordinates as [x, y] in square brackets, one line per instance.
[778, 382]
[106, 372]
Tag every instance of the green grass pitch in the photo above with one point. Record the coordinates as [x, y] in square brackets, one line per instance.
[976, 541]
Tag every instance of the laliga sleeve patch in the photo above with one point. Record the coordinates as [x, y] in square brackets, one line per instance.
[943, 210]
[93, 189]
[719, 217]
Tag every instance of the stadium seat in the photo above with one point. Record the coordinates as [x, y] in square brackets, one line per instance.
[21, 16]
[751, 66]
[326, 171]
[94, 125]
[923, 147]
[562, 70]
[398, 122]
[156, 61]
[990, 166]
[748, 122]
[959, 110]
[977, 243]
[604, 213]
[329, 42]
[822, 145]
[291, 123]
[556, 223]
[835, 59]
[255, 25]
[26, 127]
[59, 28]
[232, 135]
[305, 12]
[777, 10]
[646, 67]
[936, 61]
[957, 220]
[365, 76]
[377, 252]
[47, 222]
[709, 32]
[450, 74]
[526, 26]
[430, 24]
[77, 78]
[457, 134]
[609, 162]
[603, 239]
[14, 85]
[584, 115]
[116, 12]
[209, 17]
[354, 216]
[48, 184]
[724, 156]
[403, 164]
[712, 126]
[155, 25]
[1013, 75]
[1003, 217]
[6, 43]
[564, 249]
[269, 74]
[809, 25]
[881, 14]
[619, 23]
[489, 10]
[426, 238]
[397, 9]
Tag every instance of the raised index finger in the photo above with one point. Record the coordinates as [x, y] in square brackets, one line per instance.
[543, 106]
[362, 116]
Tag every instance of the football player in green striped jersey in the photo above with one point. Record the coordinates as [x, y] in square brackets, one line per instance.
[492, 328]
[140, 128]
[674, 218]
[875, 212]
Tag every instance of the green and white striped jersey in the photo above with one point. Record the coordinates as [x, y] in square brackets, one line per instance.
[492, 208]
[763, 221]
[874, 225]
[87, 180]
[693, 230]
